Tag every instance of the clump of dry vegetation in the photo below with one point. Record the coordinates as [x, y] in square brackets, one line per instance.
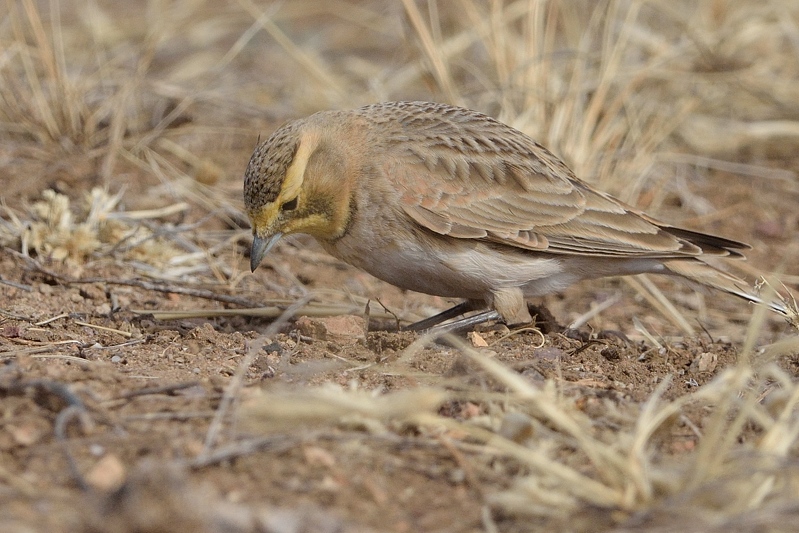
[54, 230]
[665, 104]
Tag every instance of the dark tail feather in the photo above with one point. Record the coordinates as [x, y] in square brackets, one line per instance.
[710, 244]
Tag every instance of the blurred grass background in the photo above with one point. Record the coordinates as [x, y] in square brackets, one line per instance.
[627, 92]
[689, 110]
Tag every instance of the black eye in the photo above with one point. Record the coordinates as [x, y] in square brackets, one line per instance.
[291, 205]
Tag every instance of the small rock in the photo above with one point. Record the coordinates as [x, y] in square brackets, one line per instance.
[345, 330]
[549, 353]
[25, 434]
[11, 332]
[517, 427]
[706, 362]
[44, 288]
[314, 455]
[97, 450]
[683, 446]
[469, 410]
[107, 474]
[611, 353]
[457, 476]
[273, 347]
[477, 340]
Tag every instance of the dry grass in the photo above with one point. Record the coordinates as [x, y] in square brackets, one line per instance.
[574, 463]
[630, 93]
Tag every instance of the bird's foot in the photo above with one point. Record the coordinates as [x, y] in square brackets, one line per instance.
[435, 320]
[540, 317]
[461, 325]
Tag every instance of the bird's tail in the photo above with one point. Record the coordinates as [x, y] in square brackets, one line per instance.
[704, 274]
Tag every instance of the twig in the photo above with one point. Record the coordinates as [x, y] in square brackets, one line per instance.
[126, 334]
[15, 317]
[387, 310]
[51, 387]
[131, 342]
[14, 284]
[162, 287]
[151, 213]
[61, 422]
[147, 285]
[181, 416]
[164, 389]
[519, 331]
[74, 408]
[311, 310]
[584, 346]
[53, 319]
[237, 449]
[39, 349]
[583, 319]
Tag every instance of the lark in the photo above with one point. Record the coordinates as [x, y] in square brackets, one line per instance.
[451, 202]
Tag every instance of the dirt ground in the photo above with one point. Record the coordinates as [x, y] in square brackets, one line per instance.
[151, 387]
[115, 417]
[134, 460]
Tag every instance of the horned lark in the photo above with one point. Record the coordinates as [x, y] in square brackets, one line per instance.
[450, 202]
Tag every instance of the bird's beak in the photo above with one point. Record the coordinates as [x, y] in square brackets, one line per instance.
[260, 247]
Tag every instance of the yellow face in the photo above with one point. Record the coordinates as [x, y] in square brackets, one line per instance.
[285, 194]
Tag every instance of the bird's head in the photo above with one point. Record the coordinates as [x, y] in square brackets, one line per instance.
[298, 181]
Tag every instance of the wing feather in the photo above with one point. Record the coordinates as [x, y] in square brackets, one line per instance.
[464, 174]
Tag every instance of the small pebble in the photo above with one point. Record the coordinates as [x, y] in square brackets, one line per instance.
[96, 450]
[477, 340]
[457, 475]
[345, 330]
[517, 427]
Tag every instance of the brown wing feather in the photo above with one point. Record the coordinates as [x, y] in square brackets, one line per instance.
[467, 175]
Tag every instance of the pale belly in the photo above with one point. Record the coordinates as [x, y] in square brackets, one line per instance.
[452, 268]
[466, 268]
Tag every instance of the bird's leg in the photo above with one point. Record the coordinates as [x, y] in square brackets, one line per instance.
[509, 303]
[464, 324]
[435, 326]
[452, 312]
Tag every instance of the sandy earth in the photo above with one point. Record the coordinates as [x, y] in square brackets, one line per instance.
[116, 419]
[150, 389]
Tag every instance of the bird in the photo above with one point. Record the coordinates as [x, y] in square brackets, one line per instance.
[451, 202]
